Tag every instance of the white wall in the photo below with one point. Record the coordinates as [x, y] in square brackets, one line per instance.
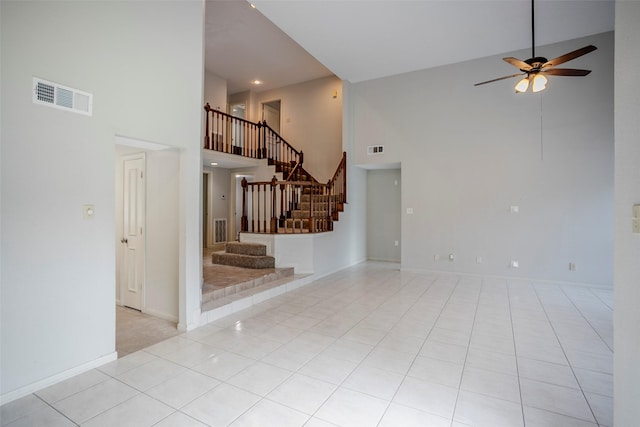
[161, 283]
[627, 193]
[384, 214]
[346, 244]
[311, 122]
[58, 270]
[469, 153]
[215, 91]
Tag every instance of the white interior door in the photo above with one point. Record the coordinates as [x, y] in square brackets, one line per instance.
[133, 229]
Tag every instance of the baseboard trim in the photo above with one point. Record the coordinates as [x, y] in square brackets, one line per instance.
[49, 381]
[496, 276]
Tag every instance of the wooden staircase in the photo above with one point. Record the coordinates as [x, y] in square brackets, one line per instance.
[314, 208]
[296, 204]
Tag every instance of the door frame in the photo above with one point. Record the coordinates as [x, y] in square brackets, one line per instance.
[122, 276]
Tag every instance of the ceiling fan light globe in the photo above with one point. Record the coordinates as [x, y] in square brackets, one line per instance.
[522, 85]
[539, 83]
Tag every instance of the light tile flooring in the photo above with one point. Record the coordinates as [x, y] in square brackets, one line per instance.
[368, 346]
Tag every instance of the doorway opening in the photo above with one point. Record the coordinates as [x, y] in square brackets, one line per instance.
[205, 211]
[146, 177]
[271, 114]
[384, 219]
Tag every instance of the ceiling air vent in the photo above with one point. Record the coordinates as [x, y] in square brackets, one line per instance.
[62, 97]
[375, 149]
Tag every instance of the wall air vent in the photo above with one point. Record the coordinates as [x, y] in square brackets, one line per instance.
[375, 149]
[62, 97]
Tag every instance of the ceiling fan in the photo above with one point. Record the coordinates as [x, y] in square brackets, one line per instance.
[535, 68]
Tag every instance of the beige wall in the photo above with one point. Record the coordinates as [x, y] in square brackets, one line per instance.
[311, 121]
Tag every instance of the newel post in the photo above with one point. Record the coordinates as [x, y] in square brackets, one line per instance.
[260, 140]
[244, 222]
[207, 140]
[274, 216]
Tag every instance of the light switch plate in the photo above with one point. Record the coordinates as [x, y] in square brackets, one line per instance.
[635, 219]
[88, 211]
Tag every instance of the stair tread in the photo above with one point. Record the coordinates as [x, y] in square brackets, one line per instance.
[242, 248]
[241, 260]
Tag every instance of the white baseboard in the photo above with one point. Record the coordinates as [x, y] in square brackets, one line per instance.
[39, 385]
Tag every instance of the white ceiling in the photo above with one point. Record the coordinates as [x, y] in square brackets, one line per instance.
[241, 45]
[365, 39]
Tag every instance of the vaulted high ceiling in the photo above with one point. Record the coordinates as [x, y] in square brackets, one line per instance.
[365, 39]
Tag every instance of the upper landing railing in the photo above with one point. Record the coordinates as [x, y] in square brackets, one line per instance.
[233, 135]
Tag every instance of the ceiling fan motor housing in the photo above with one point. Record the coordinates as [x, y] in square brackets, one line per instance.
[536, 63]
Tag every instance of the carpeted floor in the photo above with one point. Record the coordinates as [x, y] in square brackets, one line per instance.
[136, 330]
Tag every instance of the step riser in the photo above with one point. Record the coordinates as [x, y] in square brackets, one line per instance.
[280, 273]
[305, 214]
[252, 249]
[244, 261]
[325, 199]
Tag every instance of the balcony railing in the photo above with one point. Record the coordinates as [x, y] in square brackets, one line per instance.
[233, 135]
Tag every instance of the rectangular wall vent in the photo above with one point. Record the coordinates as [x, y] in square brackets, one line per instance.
[62, 97]
[219, 230]
[375, 149]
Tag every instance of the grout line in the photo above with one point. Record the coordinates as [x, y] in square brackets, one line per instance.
[565, 355]
[585, 317]
[515, 352]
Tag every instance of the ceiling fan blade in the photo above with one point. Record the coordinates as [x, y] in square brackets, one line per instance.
[517, 63]
[569, 56]
[566, 72]
[500, 78]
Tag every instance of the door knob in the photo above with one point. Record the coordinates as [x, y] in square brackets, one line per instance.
[123, 240]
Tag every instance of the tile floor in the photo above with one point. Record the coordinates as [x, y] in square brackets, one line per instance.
[368, 346]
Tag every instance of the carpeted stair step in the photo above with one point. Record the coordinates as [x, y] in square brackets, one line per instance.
[212, 293]
[298, 214]
[317, 206]
[254, 249]
[245, 261]
[319, 198]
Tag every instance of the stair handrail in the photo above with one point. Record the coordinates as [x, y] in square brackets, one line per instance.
[257, 140]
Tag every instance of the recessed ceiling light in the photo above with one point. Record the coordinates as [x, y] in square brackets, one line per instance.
[214, 164]
[257, 82]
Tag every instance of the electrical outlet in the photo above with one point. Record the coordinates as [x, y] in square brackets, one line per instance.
[396, 243]
[514, 209]
[572, 266]
[478, 260]
[515, 264]
[436, 257]
[451, 257]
